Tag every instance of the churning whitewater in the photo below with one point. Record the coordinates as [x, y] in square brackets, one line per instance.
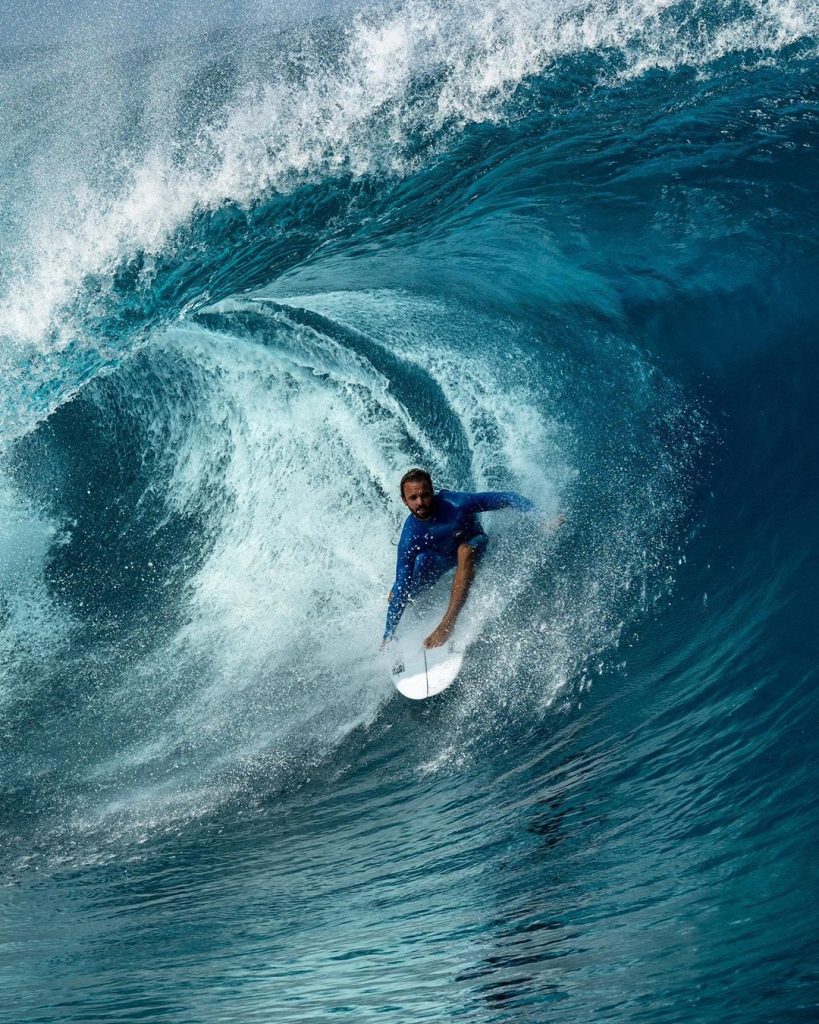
[252, 269]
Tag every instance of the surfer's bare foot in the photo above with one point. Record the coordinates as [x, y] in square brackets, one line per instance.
[438, 637]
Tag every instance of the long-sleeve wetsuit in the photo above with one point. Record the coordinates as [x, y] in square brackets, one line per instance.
[429, 547]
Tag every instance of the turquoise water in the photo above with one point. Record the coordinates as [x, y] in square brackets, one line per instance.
[252, 272]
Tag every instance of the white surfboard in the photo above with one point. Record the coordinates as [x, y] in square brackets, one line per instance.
[419, 672]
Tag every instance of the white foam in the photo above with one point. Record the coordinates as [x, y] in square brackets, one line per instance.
[277, 652]
[290, 453]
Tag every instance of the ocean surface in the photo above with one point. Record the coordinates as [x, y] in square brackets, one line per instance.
[251, 270]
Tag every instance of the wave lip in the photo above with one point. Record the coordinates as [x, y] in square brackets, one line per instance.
[371, 100]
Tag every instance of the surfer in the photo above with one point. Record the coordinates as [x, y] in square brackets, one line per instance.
[441, 532]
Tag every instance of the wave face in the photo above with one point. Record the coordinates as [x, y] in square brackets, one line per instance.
[250, 273]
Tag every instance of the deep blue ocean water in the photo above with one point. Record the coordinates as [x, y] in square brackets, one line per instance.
[250, 273]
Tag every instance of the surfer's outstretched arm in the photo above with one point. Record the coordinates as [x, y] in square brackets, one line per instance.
[488, 501]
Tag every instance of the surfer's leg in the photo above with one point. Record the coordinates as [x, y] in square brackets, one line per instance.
[468, 556]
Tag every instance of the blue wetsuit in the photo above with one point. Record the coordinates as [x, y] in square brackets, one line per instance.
[429, 547]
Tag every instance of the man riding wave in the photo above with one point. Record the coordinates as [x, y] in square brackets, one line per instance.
[442, 532]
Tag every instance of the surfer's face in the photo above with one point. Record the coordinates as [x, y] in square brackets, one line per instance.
[418, 499]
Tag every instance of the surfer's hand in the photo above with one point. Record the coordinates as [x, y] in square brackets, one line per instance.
[438, 637]
[551, 526]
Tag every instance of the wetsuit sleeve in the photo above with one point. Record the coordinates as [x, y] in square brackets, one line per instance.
[488, 501]
[401, 587]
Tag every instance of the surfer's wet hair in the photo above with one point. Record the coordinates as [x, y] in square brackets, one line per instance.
[415, 476]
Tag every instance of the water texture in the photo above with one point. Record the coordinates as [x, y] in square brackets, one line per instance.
[253, 267]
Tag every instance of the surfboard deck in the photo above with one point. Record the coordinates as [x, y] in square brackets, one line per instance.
[419, 672]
